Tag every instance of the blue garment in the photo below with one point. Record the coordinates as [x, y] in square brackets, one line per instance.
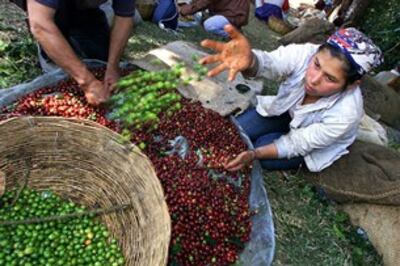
[266, 10]
[264, 130]
[123, 8]
[166, 14]
[216, 24]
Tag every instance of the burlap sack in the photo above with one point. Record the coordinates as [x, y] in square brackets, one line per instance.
[314, 31]
[381, 100]
[382, 226]
[369, 174]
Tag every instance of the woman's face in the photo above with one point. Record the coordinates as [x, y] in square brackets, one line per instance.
[325, 75]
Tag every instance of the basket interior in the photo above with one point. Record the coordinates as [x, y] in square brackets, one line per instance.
[90, 165]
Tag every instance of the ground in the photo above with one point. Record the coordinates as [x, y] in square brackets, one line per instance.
[309, 231]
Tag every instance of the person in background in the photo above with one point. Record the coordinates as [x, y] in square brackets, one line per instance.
[70, 30]
[267, 8]
[222, 13]
[318, 108]
[325, 5]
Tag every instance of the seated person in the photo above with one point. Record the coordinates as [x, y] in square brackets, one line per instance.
[315, 116]
[222, 12]
[267, 8]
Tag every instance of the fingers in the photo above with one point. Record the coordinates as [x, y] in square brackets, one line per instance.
[237, 168]
[230, 165]
[210, 59]
[92, 100]
[232, 74]
[238, 163]
[96, 97]
[214, 45]
[234, 165]
[109, 85]
[232, 31]
[112, 87]
[218, 69]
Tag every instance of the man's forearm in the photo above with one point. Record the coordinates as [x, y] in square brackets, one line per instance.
[120, 33]
[54, 44]
[59, 50]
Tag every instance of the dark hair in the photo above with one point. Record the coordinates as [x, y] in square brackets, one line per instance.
[351, 72]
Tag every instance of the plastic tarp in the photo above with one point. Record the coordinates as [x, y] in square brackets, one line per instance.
[260, 249]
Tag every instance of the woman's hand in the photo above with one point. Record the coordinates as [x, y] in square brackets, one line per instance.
[240, 161]
[234, 55]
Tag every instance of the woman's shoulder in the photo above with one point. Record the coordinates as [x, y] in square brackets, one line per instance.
[298, 54]
[350, 105]
[304, 48]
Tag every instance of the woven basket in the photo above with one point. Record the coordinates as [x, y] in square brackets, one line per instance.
[85, 162]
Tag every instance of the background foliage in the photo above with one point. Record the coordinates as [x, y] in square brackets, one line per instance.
[381, 22]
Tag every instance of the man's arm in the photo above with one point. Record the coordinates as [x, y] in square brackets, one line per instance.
[120, 33]
[43, 28]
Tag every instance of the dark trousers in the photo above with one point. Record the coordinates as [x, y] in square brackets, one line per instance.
[263, 131]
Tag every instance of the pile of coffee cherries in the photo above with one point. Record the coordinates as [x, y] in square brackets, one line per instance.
[208, 205]
[78, 241]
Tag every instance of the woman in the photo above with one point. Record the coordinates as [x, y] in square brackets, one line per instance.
[316, 113]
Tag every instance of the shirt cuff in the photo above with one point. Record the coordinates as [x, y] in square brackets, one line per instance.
[281, 147]
[260, 60]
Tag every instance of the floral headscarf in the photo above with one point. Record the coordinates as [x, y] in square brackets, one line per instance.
[362, 53]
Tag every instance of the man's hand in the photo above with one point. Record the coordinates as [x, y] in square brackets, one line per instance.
[111, 77]
[240, 161]
[234, 55]
[95, 92]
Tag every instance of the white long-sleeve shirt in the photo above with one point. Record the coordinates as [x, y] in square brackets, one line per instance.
[321, 131]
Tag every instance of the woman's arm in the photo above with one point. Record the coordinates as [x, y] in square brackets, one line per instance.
[264, 152]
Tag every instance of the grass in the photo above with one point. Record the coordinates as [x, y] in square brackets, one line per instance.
[382, 23]
[17, 49]
[309, 231]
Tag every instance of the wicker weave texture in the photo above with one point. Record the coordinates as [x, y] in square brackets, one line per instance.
[89, 164]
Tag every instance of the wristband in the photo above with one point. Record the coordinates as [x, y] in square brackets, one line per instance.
[253, 154]
[252, 70]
